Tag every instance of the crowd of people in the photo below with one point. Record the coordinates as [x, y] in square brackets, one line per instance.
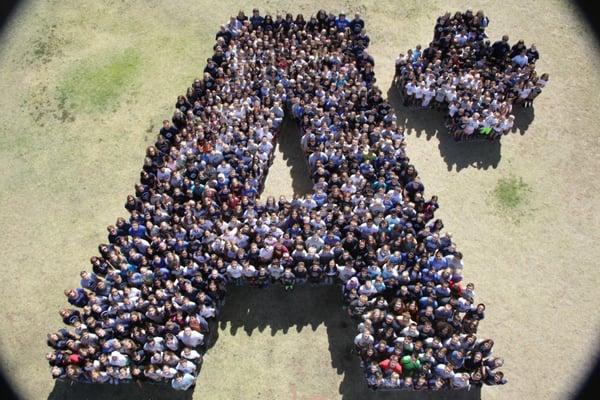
[475, 81]
[196, 222]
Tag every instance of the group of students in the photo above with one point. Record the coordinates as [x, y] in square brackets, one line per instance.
[475, 81]
[196, 222]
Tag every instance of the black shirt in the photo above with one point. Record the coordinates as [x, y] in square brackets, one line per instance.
[357, 25]
[500, 49]
[357, 308]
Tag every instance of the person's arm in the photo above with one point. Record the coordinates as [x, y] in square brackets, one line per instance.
[351, 309]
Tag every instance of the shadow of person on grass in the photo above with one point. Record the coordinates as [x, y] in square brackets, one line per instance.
[429, 123]
[523, 118]
[248, 310]
[289, 142]
[68, 390]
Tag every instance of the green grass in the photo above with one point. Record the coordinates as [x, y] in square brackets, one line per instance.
[511, 192]
[94, 86]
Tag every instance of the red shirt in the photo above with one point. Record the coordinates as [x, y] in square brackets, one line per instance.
[385, 365]
[456, 286]
[234, 201]
[74, 359]
[280, 249]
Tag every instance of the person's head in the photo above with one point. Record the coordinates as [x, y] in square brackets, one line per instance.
[179, 377]
[477, 357]
[487, 344]
[498, 362]
[374, 368]
[57, 371]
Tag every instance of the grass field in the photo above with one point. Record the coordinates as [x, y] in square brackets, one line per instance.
[85, 86]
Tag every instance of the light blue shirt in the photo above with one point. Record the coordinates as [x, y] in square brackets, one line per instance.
[186, 381]
[520, 60]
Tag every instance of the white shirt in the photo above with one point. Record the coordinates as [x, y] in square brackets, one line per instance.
[363, 341]
[249, 272]
[460, 381]
[266, 253]
[236, 272]
[428, 93]
[490, 121]
[117, 359]
[506, 125]
[192, 355]
[189, 367]
[275, 271]
[193, 340]
[169, 373]
[471, 125]
[419, 92]
[452, 109]
[450, 96]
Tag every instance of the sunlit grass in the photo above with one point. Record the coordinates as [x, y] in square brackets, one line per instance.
[95, 86]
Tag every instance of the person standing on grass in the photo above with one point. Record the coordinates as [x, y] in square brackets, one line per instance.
[234, 271]
[359, 307]
[190, 337]
[363, 340]
[391, 365]
[288, 279]
[183, 381]
[196, 221]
